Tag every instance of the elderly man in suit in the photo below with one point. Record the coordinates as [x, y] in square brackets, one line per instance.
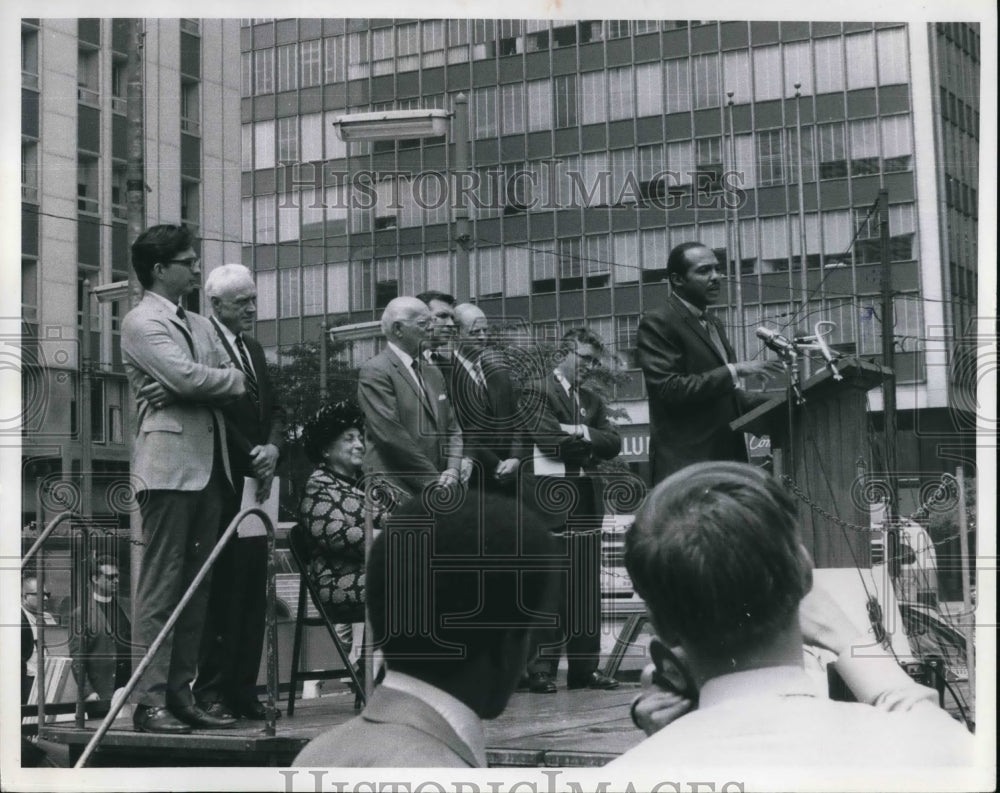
[444, 679]
[571, 433]
[693, 379]
[413, 438]
[100, 640]
[180, 375]
[234, 629]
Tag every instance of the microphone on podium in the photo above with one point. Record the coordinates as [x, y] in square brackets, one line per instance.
[775, 341]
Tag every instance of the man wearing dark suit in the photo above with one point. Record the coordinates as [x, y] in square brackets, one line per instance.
[443, 681]
[179, 375]
[692, 376]
[234, 629]
[571, 433]
[412, 436]
[482, 394]
[100, 640]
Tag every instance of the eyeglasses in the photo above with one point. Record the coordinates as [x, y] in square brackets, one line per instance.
[191, 262]
[35, 594]
[590, 360]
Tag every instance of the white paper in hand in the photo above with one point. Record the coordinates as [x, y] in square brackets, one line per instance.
[252, 525]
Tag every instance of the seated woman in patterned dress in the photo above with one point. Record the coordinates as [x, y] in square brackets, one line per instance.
[332, 509]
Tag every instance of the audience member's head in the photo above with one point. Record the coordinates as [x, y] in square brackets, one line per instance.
[473, 327]
[715, 554]
[442, 308]
[406, 322]
[231, 290]
[579, 351]
[452, 596]
[335, 436]
[32, 601]
[104, 576]
[159, 245]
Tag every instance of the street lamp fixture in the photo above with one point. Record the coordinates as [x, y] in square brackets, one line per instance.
[392, 125]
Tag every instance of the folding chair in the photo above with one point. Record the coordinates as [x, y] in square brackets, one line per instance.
[300, 553]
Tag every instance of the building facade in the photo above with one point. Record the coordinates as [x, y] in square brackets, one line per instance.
[74, 149]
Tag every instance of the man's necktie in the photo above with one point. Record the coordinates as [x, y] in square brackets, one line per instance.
[420, 380]
[251, 380]
[182, 316]
[713, 334]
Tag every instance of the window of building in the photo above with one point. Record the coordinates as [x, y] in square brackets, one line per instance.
[311, 63]
[338, 290]
[766, 73]
[483, 39]
[864, 146]
[87, 197]
[263, 72]
[264, 220]
[617, 28]
[29, 171]
[543, 267]
[246, 207]
[625, 248]
[489, 266]
[565, 88]
[335, 209]
[439, 271]
[385, 211]
[288, 67]
[119, 86]
[770, 158]
[592, 185]
[774, 252]
[358, 55]
[512, 109]
[407, 47]
[705, 69]
[288, 293]
[191, 204]
[432, 33]
[651, 166]
[288, 139]
[798, 68]
[263, 148]
[29, 58]
[119, 192]
[677, 85]
[517, 272]
[861, 69]
[539, 105]
[313, 213]
[411, 275]
[893, 63]
[484, 103]
[593, 96]
[191, 108]
[459, 37]
[897, 145]
[621, 94]
[289, 226]
[626, 330]
[807, 152]
[312, 290]
[87, 76]
[333, 59]
[832, 151]
[680, 161]
[29, 289]
[246, 74]
[386, 282]
[570, 263]
[736, 76]
[745, 176]
[649, 89]
[829, 64]
[597, 260]
[708, 163]
[383, 50]
[655, 250]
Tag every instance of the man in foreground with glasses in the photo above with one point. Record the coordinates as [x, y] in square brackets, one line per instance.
[100, 640]
[180, 375]
[570, 432]
[715, 554]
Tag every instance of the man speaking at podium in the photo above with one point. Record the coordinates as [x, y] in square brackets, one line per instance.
[692, 376]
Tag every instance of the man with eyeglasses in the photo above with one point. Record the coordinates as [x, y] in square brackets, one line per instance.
[33, 611]
[100, 640]
[412, 436]
[180, 376]
[568, 426]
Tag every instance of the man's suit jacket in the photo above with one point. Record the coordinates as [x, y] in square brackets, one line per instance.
[174, 445]
[250, 423]
[95, 648]
[692, 396]
[395, 730]
[547, 405]
[410, 437]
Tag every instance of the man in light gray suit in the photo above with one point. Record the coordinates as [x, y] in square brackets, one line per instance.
[413, 438]
[454, 655]
[179, 374]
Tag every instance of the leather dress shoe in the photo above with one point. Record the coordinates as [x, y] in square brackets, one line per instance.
[541, 683]
[150, 719]
[217, 710]
[252, 709]
[594, 680]
[196, 717]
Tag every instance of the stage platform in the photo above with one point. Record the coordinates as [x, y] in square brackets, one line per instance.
[567, 729]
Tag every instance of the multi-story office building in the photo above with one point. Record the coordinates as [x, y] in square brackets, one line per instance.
[596, 146]
[74, 146]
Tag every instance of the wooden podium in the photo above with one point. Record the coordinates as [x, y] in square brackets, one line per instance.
[824, 446]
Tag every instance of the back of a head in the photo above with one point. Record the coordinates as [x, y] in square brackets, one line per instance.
[715, 554]
[445, 584]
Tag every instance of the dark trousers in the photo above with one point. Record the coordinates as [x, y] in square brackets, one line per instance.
[179, 529]
[233, 638]
[578, 611]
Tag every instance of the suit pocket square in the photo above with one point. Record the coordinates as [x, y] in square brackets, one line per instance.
[442, 397]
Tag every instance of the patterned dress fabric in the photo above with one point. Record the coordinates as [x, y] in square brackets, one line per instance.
[332, 512]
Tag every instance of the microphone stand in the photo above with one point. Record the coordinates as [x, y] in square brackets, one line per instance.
[790, 361]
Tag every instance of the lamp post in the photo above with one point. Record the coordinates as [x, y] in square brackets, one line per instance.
[425, 123]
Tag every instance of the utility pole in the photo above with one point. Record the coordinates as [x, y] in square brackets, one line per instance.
[462, 235]
[888, 357]
[135, 192]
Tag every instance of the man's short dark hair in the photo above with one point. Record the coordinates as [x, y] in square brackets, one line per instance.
[677, 261]
[581, 335]
[156, 245]
[447, 586]
[715, 554]
[432, 294]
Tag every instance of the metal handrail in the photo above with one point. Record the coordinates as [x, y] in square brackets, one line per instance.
[271, 625]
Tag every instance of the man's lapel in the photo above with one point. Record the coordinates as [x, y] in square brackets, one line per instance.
[407, 376]
[225, 344]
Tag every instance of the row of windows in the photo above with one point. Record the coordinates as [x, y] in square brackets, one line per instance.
[962, 35]
[855, 61]
[767, 245]
[959, 113]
